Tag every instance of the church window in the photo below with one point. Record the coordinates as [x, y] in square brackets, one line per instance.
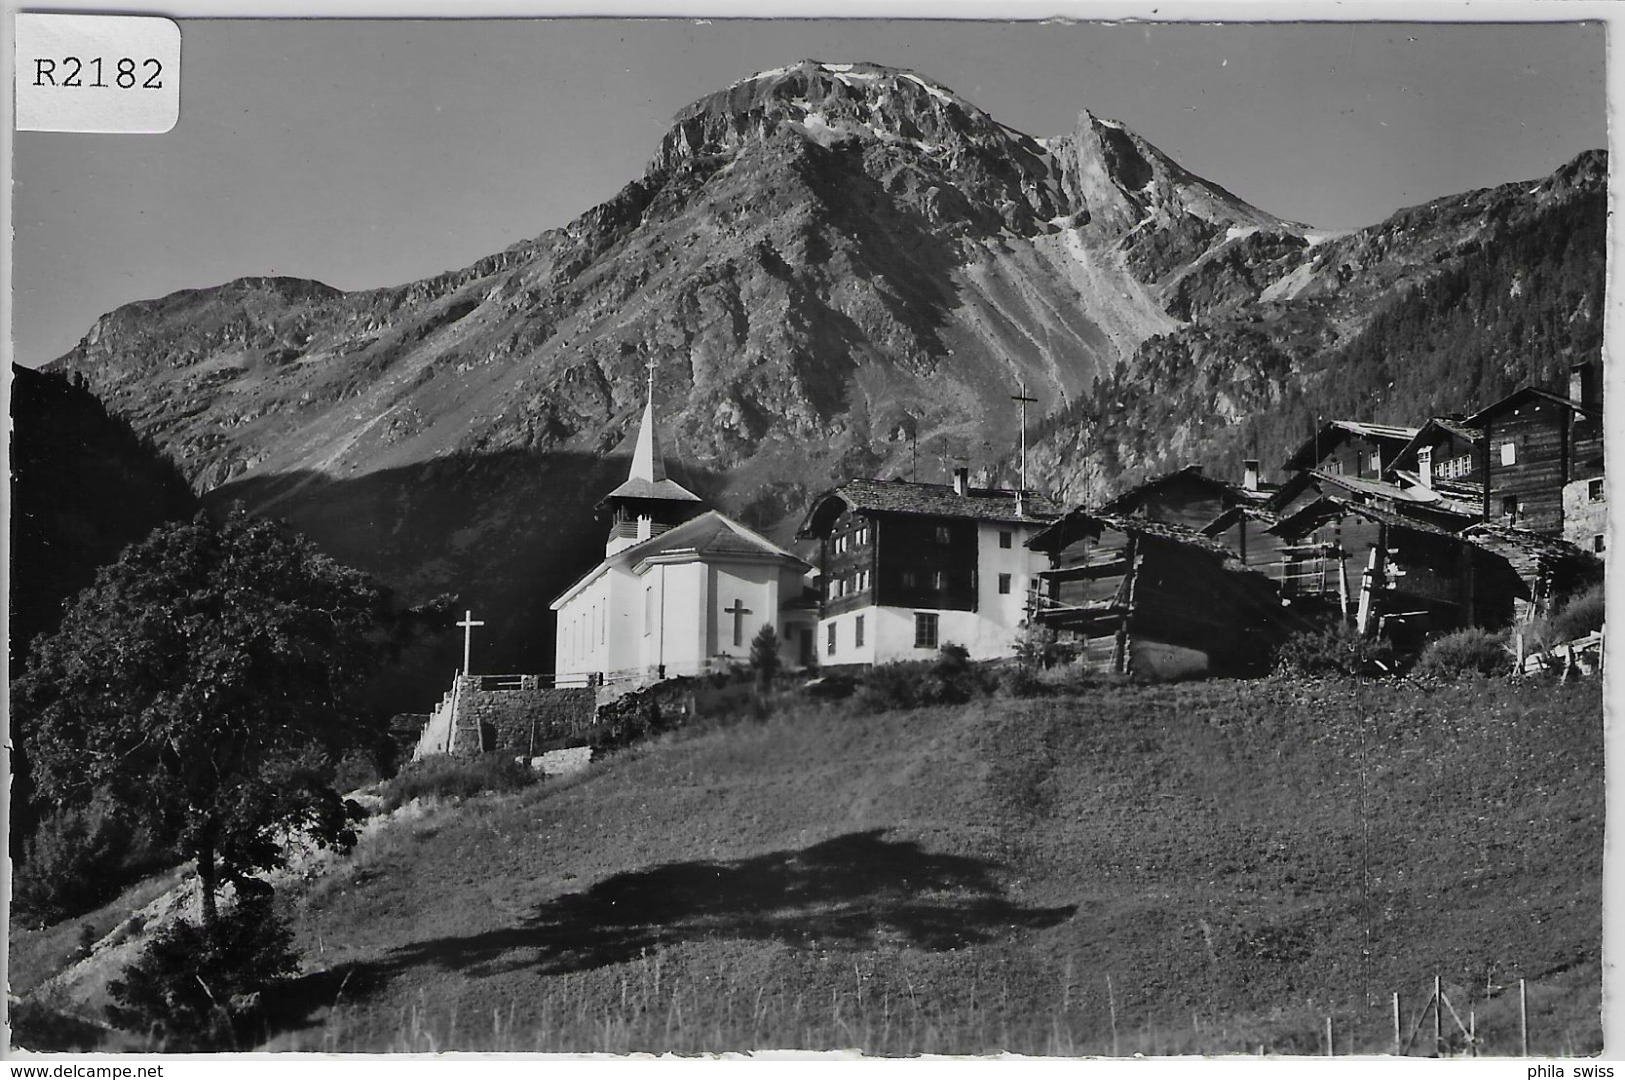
[857, 633]
[648, 610]
[925, 630]
[830, 644]
[1004, 584]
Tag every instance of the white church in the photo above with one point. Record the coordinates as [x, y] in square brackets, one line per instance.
[682, 589]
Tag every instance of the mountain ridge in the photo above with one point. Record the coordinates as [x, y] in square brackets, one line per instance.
[834, 270]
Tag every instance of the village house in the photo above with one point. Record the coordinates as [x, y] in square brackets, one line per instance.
[908, 567]
[1153, 598]
[1542, 460]
[1351, 448]
[1190, 496]
[1445, 456]
[682, 589]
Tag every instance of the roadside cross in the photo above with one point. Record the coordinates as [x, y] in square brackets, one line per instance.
[468, 624]
[738, 611]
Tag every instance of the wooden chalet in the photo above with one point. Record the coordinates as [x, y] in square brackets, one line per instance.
[1542, 460]
[1546, 568]
[907, 567]
[1155, 598]
[1391, 572]
[1446, 456]
[1351, 448]
[1188, 497]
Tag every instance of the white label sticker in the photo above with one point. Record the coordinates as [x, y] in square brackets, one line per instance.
[112, 73]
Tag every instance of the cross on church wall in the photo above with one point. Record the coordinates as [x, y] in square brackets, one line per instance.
[738, 611]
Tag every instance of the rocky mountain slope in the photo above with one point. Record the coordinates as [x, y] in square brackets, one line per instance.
[834, 270]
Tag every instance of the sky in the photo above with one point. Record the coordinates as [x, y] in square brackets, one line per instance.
[369, 153]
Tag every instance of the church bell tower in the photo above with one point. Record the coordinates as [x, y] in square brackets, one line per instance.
[648, 502]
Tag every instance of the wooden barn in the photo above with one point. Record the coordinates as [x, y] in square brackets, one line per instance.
[1543, 568]
[1188, 497]
[1154, 598]
[1391, 572]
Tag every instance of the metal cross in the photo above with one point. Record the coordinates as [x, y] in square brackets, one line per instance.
[1024, 399]
[468, 624]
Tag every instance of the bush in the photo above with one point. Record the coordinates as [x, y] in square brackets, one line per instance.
[447, 776]
[1021, 680]
[202, 990]
[1337, 651]
[1463, 652]
[764, 656]
[1582, 614]
[950, 679]
[78, 859]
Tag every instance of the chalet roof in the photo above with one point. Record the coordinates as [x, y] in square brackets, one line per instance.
[1189, 474]
[1054, 537]
[1451, 492]
[1332, 432]
[931, 500]
[1426, 434]
[1506, 539]
[1419, 496]
[1230, 515]
[1519, 397]
[1327, 507]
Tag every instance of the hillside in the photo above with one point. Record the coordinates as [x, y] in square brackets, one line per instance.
[835, 270]
[1239, 860]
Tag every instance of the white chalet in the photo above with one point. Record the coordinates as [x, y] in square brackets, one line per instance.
[907, 567]
[681, 588]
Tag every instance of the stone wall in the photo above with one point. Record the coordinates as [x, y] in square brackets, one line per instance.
[522, 717]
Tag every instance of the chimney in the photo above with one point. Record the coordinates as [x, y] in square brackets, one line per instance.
[961, 480]
[1249, 474]
[1584, 385]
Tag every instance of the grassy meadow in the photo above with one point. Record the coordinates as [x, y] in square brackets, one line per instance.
[1204, 868]
[1211, 867]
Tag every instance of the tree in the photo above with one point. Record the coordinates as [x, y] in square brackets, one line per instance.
[764, 656]
[206, 682]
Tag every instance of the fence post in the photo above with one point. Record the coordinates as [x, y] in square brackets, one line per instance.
[1523, 1018]
[1329, 1051]
[1438, 1017]
[1396, 1023]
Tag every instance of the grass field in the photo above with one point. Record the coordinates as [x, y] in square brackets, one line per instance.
[1212, 867]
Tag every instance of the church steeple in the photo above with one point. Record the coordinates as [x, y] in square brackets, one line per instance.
[649, 502]
[648, 463]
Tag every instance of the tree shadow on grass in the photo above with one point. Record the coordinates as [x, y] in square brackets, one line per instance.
[855, 890]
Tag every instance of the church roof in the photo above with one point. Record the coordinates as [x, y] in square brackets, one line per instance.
[711, 535]
[639, 488]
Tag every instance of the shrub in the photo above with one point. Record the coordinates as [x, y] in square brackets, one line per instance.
[78, 859]
[1337, 651]
[1465, 651]
[446, 776]
[950, 679]
[764, 656]
[202, 989]
[1582, 614]
[1021, 680]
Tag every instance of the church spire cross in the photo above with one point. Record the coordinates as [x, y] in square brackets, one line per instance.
[468, 624]
[648, 463]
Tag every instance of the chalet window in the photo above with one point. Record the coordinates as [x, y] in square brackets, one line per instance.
[1004, 584]
[1337, 467]
[862, 536]
[830, 646]
[1509, 508]
[1004, 539]
[857, 633]
[1424, 462]
[939, 579]
[1599, 543]
[1596, 490]
[910, 579]
[840, 544]
[943, 535]
[925, 630]
[863, 581]
[1376, 461]
[1509, 453]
